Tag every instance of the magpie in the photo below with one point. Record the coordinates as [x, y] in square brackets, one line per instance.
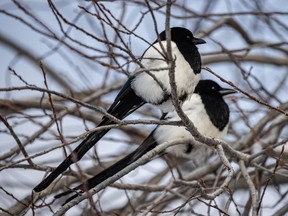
[150, 84]
[208, 111]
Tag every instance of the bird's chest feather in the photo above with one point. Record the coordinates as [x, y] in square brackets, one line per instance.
[196, 112]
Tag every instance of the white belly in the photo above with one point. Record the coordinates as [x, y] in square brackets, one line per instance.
[195, 110]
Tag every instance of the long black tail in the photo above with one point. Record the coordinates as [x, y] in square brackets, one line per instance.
[148, 144]
[76, 155]
[125, 103]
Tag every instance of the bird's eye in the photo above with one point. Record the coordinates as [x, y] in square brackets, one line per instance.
[188, 37]
[213, 87]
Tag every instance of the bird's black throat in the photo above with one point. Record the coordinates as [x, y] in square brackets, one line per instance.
[191, 54]
[217, 110]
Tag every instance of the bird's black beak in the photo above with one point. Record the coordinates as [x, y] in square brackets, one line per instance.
[226, 91]
[198, 41]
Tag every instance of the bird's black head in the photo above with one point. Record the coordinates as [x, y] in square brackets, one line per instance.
[212, 98]
[179, 34]
[212, 88]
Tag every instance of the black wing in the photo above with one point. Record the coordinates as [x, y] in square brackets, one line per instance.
[124, 104]
[148, 144]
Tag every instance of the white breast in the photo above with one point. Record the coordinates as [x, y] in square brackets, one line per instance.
[195, 110]
[147, 88]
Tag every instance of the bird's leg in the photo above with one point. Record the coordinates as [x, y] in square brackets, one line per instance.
[171, 165]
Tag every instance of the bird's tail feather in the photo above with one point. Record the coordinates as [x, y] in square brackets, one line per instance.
[146, 146]
[76, 155]
[120, 110]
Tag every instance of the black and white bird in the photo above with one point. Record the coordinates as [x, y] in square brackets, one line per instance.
[149, 85]
[206, 109]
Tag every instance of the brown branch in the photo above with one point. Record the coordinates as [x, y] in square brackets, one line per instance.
[14, 135]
